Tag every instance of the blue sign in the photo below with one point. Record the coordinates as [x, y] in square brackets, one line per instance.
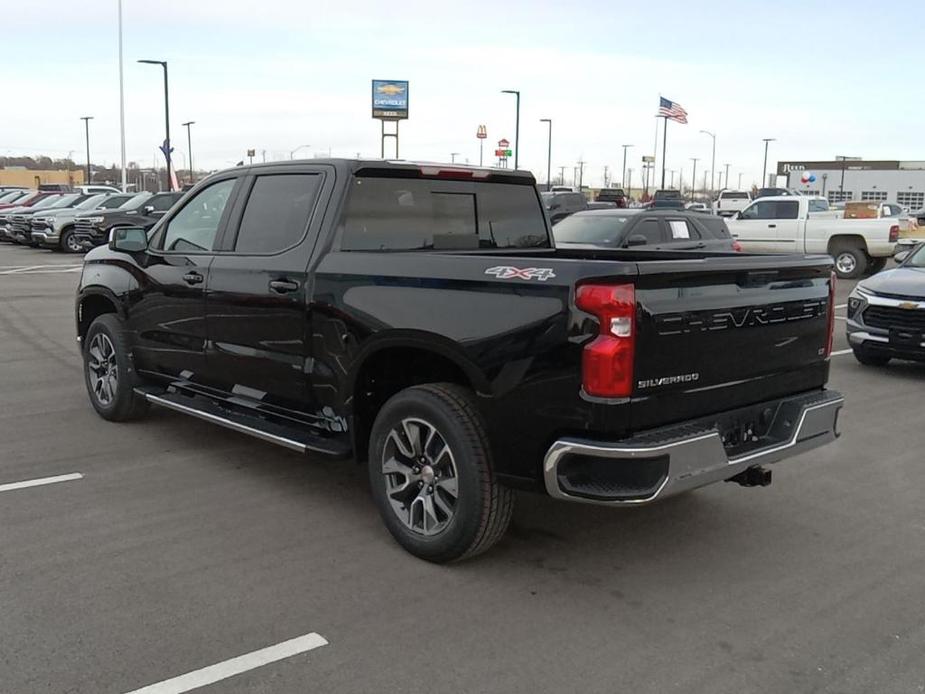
[390, 99]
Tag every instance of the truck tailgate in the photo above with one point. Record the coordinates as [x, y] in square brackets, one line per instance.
[719, 333]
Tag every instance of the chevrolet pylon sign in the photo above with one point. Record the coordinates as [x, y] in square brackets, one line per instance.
[390, 99]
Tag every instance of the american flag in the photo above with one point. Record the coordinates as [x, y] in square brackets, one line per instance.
[671, 110]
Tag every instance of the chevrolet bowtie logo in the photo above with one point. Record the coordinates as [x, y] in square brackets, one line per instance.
[909, 304]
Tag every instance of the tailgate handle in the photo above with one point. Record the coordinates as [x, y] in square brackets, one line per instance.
[772, 226]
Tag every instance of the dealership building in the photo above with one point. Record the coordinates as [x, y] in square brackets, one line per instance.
[902, 182]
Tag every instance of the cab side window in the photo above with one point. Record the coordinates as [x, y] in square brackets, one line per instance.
[763, 209]
[194, 227]
[277, 212]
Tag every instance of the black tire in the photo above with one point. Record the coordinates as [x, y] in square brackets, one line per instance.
[122, 403]
[64, 243]
[875, 265]
[869, 359]
[482, 508]
[850, 261]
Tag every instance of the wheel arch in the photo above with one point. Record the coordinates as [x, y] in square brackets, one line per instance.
[847, 241]
[397, 361]
[92, 303]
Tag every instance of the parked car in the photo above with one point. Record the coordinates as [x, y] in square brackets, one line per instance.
[56, 187]
[784, 225]
[697, 207]
[667, 200]
[886, 312]
[648, 229]
[773, 192]
[20, 226]
[55, 228]
[10, 196]
[27, 200]
[30, 204]
[417, 318]
[561, 205]
[614, 195]
[97, 188]
[728, 202]
[596, 205]
[92, 229]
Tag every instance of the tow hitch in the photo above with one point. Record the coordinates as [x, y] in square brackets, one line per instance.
[755, 476]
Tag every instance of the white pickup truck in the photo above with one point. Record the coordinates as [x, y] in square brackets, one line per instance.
[791, 224]
[728, 202]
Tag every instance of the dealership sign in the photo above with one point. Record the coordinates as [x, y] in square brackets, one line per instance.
[390, 99]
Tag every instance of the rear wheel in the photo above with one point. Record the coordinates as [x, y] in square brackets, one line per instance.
[69, 242]
[431, 474]
[869, 359]
[850, 262]
[109, 373]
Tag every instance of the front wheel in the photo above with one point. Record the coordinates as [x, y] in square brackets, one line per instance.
[69, 241]
[109, 373]
[431, 474]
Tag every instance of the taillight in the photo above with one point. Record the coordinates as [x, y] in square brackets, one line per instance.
[894, 233]
[831, 337]
[607, 361]
[736, 246]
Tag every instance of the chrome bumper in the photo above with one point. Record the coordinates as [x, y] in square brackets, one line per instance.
[694, 459]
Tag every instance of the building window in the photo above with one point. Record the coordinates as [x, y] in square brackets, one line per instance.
[873, 196]
[910, 200]
[809, 192]
[840, 195]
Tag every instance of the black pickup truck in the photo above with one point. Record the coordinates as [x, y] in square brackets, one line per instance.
[92, 229]
[418, 318]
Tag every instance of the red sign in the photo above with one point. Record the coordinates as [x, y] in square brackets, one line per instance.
[482, 132]
[503, 144]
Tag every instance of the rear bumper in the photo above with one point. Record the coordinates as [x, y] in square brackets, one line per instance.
[671, 460]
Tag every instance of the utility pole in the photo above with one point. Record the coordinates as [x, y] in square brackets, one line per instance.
[629, 183]
[694, 178]
[713, 161]
[189, 145]
[548, 121]
[705, 176]
[764, 166]
[740, 181]
[453, 156]
[606, 177]
[841, 186]
[516, 126]
[623, 179]
[727, 174]
[581, 175]
[561, 175]
[122, 105]
[86, 120]
[672, 178]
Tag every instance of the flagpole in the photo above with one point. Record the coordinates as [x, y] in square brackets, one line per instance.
[664, 149]
[655, 151]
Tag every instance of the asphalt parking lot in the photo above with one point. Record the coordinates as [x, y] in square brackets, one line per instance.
[177, 546]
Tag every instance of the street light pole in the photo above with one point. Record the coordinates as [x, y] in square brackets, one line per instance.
[694, 178]
[727, 175]
[764, 166]
[841, 186]
[292, 153]
[740, 181]
[163, 64]
[86, 120]
[516, 126]
[623, 179]
[713, 161]
[453, 156]
[122, 105]
[548, 121]
[189, 146]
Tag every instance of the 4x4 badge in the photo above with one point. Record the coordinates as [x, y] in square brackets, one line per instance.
[508, 272]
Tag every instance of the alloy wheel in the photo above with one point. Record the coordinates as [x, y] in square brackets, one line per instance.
[102, 367]
[845, 263]
[420, 476]
[73, 243]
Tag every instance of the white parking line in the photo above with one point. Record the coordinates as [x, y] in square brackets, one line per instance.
[840, 318]
[841, 306]
[235, 666]
[40, 269]
[841, 352]
[39, 482]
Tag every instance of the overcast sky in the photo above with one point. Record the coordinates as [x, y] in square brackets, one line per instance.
[823, 77]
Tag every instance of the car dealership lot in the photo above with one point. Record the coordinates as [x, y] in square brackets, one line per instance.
[183, 546]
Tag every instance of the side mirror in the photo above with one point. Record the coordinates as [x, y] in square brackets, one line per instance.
[148, 209]
[637, 240]
[901, 256]
[128, 239]
[554, 206]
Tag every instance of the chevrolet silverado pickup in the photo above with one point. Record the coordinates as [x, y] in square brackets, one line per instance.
[419, 319]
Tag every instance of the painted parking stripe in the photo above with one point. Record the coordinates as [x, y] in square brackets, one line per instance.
[841, 306]
[235, 666]
[12, 486]
[840, 318]
[38, 269]
[841, 352]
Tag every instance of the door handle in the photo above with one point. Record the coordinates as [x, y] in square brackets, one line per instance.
[283, 286]
[772, 226]
[192, 278]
